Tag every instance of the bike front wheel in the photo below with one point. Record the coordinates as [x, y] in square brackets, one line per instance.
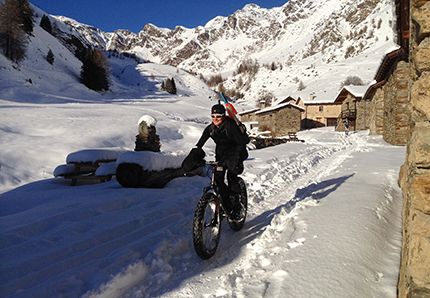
[206, 226]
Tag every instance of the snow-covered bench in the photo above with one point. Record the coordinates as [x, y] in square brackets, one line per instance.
[93, 164]
[149, 169]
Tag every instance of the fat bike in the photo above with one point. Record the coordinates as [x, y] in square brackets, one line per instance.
[209, 214]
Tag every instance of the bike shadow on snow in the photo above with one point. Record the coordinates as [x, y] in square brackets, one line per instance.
[256, 226]
[232, 243]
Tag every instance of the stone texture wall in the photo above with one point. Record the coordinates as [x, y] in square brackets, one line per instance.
[388, 113]
[363, 112]
[250, 117]
[414, 278]
[396, 112]
[280, 121]
[376, 114]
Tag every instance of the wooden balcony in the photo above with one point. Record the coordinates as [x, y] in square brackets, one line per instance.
[351, 114]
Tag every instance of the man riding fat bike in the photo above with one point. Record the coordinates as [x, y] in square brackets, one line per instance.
[230, 152]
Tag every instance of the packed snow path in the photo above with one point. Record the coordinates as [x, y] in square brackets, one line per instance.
[288, 247]
[323, 221]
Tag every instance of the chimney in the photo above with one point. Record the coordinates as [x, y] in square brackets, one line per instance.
[311, 96]
[262, 104]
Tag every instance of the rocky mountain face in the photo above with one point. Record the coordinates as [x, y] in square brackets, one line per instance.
[299, 39]
[299, 29]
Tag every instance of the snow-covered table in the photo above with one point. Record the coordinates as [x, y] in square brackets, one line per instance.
[92, 164]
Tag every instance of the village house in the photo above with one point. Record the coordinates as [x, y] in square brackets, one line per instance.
[353, 108]
[319, 113]
[282, 117]
[382, 106]
[388, 98]
[249, 115]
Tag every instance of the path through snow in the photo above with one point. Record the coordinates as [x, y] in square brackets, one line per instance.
[290, 242]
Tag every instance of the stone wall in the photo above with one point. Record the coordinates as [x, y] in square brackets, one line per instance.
[280, 121]
[414, 278]
[387, 113]
[248, 116]
[396, 112]
[376, 114]
[363, 111]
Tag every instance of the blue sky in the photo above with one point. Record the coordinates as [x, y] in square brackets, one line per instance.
[109, 15]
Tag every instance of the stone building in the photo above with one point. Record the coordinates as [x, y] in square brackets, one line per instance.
[280, 119]
[414, 31]
[249, 115]
[375, 96]
[353, 107]
[387, 99]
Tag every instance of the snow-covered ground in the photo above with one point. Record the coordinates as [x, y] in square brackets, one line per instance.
[324, 215]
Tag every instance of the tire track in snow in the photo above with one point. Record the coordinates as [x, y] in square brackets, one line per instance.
[259, 262]
[286, 178]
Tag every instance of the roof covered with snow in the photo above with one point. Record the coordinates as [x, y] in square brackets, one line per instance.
[277, 107]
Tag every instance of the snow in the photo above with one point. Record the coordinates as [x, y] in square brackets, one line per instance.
[153, 161]
[279, 106]
[94, 155]
[324, 215]
[357, 91]
[149, 120]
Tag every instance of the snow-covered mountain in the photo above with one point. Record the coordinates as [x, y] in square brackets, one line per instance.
[304, 40]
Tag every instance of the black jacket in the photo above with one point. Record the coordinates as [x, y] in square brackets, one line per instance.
[230, 142]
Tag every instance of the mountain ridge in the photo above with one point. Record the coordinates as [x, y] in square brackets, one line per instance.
[311, 46]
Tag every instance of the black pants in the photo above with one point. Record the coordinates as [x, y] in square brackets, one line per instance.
[228, 191]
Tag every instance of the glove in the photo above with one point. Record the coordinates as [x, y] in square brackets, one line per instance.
[194, 160]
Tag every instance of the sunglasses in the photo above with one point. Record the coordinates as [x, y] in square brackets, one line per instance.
[217, 116]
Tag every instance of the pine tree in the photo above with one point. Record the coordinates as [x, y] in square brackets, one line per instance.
[95, 70]
[174, 91]
[50, 57]
[26, 16]
[170, 86]
[12, 36]
[45, 23]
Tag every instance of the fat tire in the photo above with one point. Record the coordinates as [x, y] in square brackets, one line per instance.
[238, 225]
[206, 206]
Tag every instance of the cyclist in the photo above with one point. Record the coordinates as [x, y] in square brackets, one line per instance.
[230, 152]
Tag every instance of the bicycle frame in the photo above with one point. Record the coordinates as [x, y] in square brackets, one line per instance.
[214, 187]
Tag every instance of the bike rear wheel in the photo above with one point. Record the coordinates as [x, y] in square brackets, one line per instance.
[206, 226]
[237, 225]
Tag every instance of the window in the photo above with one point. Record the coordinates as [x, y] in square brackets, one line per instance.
[321, 108]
